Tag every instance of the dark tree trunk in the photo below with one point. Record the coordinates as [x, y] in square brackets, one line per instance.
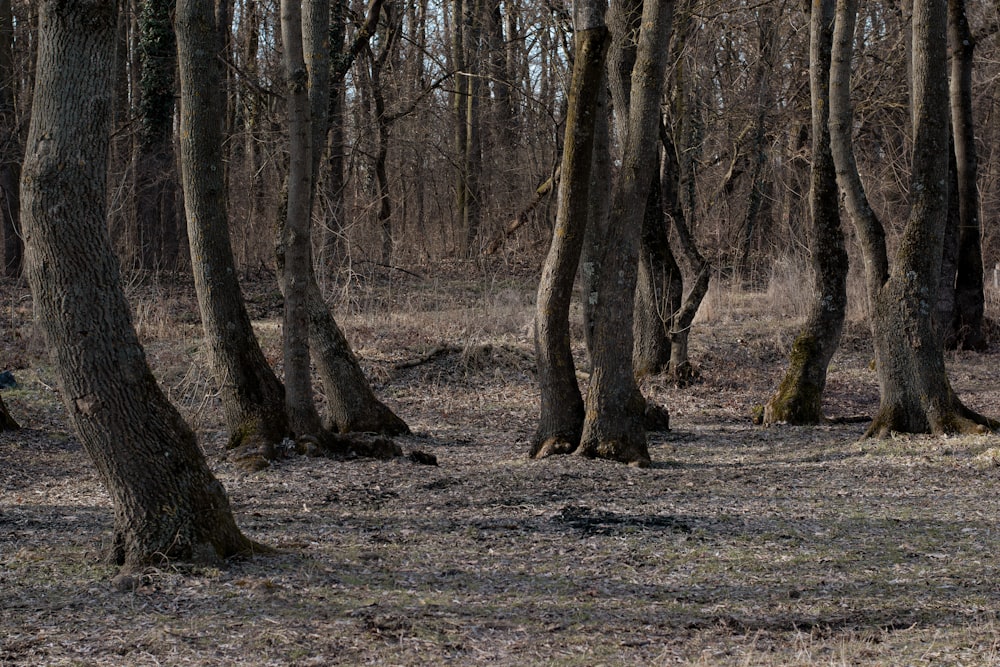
[295, 239]
[561, 419]
[7, 422]
[916, 396]
[967, 328]
[253, 398]
[615, 410]
[167, 503]
[798, 399]
[10, 149]
[155, 167]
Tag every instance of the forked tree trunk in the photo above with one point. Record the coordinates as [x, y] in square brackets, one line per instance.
[253, 399]
[561, 419]
[615, 410]
[916, 396]
[798, 399]
[167, 504]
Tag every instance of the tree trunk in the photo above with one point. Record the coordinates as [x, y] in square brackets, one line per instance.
[253, 398]
[295, 238]
[561, 420]
[967, 327]
[613, 426]
[167, 503]
[10, 156]
[351, 404]
[916, 396]
[155, 167]
[7, 422]
[798, 399]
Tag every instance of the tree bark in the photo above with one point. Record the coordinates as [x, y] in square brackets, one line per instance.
[561, 419]
[11, 153]
[155, 167]
[798, 399]
[167, 504]
[253, 398]
[7, 422]
[967, 327]
[295, 236]
[615, 410]
[916, 396]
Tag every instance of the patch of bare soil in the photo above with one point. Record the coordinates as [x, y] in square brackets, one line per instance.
[740, 545]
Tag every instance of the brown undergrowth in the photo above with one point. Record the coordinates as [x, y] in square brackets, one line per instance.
[741, 545]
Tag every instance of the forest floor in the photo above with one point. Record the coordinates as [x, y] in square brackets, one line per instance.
[741, 545]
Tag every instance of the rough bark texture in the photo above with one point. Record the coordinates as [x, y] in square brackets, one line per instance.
[561, 418]
[10, 149]
[798, 399]
[967, 326]
[155, 167]
[615, 410]
[915, 393]
[252, 396]
[167, 503]
[295, 237]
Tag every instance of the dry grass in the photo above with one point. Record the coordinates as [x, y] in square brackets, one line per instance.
[740, 546]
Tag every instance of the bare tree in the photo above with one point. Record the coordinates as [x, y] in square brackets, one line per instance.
[561, 420]
[253, 398]
[798, 399]
[916, 395]
[10, 148]
[167, 504]
[615, 410]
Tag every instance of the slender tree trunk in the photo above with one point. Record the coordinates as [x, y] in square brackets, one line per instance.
[615, 410]
[351, 404]
[967, 328]
[798, 399]
[11, 152]
[295, 237]
[561, 420]
[253, 398]
[167, 503]
[916, 396]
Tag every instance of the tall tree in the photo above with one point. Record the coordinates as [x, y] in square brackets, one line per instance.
[798, 399]
[167, 503]
[155, 166]
[615, 410]
[967, 325]
[561, 420]
[10, 148]
[252, 396]
[295, 236]
[916, 395]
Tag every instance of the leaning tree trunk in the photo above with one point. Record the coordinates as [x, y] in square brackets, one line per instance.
[351, 404]
[167, 503]
[798, 399]
[561, 419]
[967, 325]
[253, 399]
[916, 396]
[613, 427]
